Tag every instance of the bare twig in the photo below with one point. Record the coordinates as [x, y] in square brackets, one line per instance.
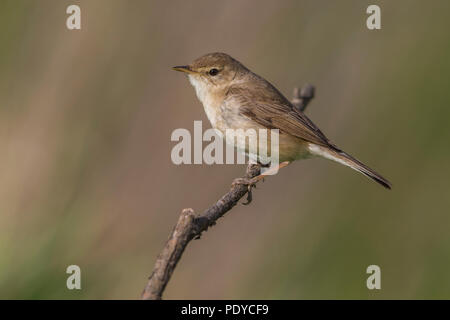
[191, 225]
[303, 96]
[188, 227]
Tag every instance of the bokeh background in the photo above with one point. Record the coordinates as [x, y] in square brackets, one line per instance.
[85, 170]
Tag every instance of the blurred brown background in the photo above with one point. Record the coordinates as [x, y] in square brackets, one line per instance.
[85, 170]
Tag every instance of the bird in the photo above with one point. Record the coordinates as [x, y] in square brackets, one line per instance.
[235, 98]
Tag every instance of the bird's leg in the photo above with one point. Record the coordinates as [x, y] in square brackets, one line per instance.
[253, 181]
[263, 165]
[273, 170]
[250, 183]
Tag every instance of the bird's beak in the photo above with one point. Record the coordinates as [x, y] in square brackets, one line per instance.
[185, 69]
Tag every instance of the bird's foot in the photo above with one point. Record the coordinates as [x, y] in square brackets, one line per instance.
[250, 183]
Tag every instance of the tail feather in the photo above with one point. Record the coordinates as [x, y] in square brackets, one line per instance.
[347, 160]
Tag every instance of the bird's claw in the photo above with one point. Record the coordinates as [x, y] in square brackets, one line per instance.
[250, 183]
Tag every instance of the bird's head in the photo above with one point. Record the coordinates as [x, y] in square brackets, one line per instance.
[213, 71]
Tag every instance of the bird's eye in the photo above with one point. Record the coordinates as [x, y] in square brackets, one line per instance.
[213, 72]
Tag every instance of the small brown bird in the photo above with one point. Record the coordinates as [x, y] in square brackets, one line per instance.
[236, 98]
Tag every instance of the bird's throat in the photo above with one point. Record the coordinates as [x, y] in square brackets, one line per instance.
[211, 98]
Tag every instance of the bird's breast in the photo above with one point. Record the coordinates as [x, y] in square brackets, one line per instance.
[222, 115]
[211, 102]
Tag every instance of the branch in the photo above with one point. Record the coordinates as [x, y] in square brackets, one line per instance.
[191, 225]
[303, 96]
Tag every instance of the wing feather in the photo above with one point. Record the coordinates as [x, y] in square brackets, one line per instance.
[266, 106]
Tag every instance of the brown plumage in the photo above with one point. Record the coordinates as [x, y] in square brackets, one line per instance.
[236, 98]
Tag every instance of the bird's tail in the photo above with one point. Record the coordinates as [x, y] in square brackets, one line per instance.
[347, 160]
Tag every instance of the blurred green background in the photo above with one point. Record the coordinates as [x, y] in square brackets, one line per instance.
[85, 170]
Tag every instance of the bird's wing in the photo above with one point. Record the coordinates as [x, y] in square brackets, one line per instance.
[270, 109]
